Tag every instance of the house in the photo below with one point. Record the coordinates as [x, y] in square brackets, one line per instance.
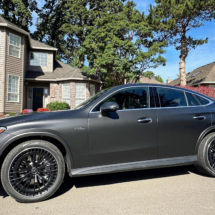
[202, 76]
[146, 80]
[31, 77]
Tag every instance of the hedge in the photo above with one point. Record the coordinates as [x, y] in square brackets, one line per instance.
[58, 106]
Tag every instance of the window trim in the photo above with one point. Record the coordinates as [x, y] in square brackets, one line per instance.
[15, 46]
[210, 101]
[38, 53]
[13, 93]
[69, 98]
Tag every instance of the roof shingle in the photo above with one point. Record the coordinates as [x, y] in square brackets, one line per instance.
[204, 73]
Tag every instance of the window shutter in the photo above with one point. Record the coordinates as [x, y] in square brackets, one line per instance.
[92, 90]
[80, 93]
[66, 93]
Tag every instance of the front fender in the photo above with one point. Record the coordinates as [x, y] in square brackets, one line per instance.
[24, 134]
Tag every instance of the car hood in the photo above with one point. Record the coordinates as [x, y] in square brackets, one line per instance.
[11, 120]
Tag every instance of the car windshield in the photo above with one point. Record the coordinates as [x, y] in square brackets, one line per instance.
[91, 99]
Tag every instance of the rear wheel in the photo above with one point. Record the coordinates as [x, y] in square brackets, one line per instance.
[206, 155]
[33, 171]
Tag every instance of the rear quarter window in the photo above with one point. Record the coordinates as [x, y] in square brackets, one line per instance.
[202, 100]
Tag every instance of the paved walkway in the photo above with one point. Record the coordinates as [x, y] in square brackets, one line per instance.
[178, 190]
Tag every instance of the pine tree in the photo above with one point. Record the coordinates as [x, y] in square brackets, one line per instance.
[173, 19]
[19, 12]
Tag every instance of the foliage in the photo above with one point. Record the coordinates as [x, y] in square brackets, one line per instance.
[12, 114]
[149, 74]
[158, 78]
[118, 45]
[19, 12]
[25, 111]
[50, 20]
[1, 115]
[208, 91]
[58, 106]
[172, 20]
[43, 110]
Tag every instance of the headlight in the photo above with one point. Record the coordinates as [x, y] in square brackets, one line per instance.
[2, 129]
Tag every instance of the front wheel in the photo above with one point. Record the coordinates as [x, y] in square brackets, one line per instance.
[33, 171]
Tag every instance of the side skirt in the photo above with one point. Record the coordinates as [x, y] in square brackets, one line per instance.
[149, 164]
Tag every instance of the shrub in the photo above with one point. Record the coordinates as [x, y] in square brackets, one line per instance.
[27, 111]
[2, 115]
[58, 106]
[208, 91]
[12, 114]
[43, 110]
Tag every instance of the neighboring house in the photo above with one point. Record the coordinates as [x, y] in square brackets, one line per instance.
[202, 76]
[146, 80]
[31, 77]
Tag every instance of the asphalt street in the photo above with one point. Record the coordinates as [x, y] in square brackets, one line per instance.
[176, 190]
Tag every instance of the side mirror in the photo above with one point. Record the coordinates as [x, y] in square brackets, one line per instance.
[109, 107]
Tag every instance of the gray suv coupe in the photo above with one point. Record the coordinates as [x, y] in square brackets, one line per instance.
[128, 127]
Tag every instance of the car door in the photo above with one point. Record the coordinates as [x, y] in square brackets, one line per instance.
[181, 120]
[128, 135]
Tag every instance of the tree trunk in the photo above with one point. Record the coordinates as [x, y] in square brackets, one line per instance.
[182, 72]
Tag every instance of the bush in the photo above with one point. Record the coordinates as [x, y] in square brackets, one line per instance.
[27, 111]
[208, 91]
[58, 106]
[43, 110]
[12, 114]
[2, 115]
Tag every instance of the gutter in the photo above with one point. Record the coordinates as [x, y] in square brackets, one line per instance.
[64, 79]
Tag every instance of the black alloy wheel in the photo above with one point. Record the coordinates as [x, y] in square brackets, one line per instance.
[33, 171]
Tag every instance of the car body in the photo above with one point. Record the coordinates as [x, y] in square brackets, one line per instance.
[128, 127]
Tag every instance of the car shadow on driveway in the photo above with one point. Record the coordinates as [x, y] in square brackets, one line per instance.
[114, 178]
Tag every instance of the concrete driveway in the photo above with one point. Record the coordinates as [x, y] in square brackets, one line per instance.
[178, 190]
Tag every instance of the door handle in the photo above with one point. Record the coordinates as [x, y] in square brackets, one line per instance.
[199, 117]
[144, 120]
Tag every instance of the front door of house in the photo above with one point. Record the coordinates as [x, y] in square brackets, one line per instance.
[37, 98]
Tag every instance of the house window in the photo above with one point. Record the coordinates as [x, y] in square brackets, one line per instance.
[80, 93]
[38, 59]
[14, 45]
[13, 88]
[92, 90]
[66, 93]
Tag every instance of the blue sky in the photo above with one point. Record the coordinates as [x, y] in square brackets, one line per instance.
[197, 57]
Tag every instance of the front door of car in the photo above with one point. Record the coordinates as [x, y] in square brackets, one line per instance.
[181, 120]
[128, 135]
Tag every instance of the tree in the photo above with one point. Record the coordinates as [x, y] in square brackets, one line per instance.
[19, 12]
[119, 44]
[158, 78]
[173, 19]
[49, 23]
[149, 74]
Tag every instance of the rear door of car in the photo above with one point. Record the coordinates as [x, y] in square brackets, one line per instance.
[181, 120]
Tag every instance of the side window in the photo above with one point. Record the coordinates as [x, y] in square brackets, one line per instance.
[192, 101]
[171, 97]
[133, 98]
[202, 100]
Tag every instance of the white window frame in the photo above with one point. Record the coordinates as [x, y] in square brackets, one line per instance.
[66, 97]
[0, 39]
[38, 53]
[15, 46]
[84, 98]
[11, 92]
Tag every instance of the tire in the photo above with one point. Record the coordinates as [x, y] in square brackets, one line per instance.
[33, 171]
[206, 155]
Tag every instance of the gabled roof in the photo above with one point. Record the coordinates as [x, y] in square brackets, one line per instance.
[149, 80]
[204, 74]
[33, 43]
[61, 72]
